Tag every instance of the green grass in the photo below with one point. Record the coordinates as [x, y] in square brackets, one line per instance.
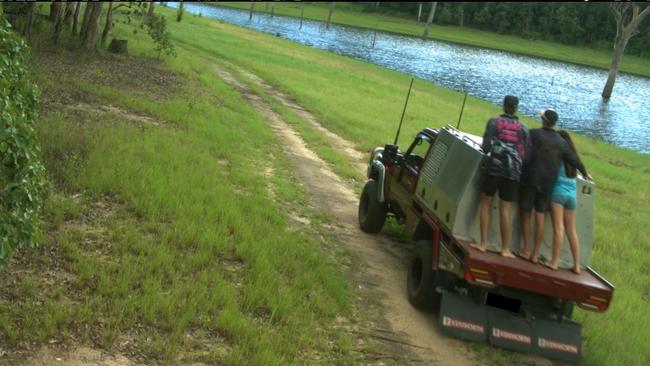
[363, 102]
[350, 15]
[165, 234]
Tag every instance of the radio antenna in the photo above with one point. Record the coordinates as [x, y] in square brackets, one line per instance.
[461, 111]
[403, 111]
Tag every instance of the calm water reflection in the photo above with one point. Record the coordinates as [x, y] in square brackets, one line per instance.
[574, 91]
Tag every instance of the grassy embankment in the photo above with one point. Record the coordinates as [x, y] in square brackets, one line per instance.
[363, 103]
[160, 237]
[350, 14]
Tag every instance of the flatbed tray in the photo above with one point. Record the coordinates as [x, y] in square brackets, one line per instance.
[522, 274]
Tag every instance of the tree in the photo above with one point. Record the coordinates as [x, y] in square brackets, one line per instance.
[54, 10]
[59, 18]
[22, 176]
[329, 15]
[109, 21]
[250, 14]
[89, 38]
[157, 27]
[419, 11]
[75, 17]
[432, 12]
[84, 23]
[69, 13]
[179, 15]
[628, 16]
[151, 5]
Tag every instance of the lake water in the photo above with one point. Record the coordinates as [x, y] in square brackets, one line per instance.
[572, 90]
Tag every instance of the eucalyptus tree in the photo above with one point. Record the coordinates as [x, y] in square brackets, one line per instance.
[628, 16]
[432, 13]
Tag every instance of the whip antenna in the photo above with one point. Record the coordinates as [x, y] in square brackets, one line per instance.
[461, 111]
[403, 111]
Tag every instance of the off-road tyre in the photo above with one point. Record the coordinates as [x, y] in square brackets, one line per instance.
[420, 280]
[372, 213]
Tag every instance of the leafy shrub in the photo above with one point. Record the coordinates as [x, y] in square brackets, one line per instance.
[157, 27]
[22, 176]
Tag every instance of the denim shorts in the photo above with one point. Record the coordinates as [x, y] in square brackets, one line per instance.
[569, 202]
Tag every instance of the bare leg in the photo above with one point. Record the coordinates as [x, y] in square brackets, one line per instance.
[539, 235]
[504, 210]
[557, 216]
[525, 234]
[486, 202]
[570, 226]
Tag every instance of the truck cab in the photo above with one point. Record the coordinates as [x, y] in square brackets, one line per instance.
[433, 189]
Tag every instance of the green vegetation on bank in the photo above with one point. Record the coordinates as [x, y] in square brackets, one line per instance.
[599, 58]
[363, 102]
[160, 233]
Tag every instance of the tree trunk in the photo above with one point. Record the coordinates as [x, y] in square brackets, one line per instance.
[461, 21]
[84, 23]
[109, 21]
[179, 15]
[250, 14]
[27, 30]
[302, 15]
[75, 17]
[90, 37]
[623, 34]
[272, 10]
[432, 12]
[151, 8]
[329, 15]
[54, 10]
[376, 6]
[58, 23]
[613, 70]
[419, 11]
[69, 12]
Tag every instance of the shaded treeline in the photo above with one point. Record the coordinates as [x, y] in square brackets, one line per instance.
[574, 23]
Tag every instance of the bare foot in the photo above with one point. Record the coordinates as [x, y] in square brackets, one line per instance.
[479, 247]
[534, 259]
[550, 265]
[576, 270]
[523, 254]
[507, 253]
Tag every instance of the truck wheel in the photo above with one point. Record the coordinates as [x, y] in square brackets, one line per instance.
[421, 277]
[372, 213]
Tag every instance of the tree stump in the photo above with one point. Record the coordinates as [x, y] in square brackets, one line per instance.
[118, 46]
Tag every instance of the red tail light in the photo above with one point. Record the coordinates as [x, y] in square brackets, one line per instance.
[480, 277]
[594, 303]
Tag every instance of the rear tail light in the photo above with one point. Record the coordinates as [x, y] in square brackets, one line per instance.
[594, 303]
[480, 277]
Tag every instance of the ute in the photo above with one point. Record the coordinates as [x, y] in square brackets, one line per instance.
[433, 189]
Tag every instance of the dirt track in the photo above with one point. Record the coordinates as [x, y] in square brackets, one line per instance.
[382, 261]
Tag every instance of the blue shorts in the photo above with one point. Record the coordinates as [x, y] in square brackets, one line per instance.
[569, 202]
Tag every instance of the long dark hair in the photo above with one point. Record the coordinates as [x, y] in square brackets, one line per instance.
[570, 169]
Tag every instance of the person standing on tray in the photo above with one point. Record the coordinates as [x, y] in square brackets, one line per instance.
[538, 178]
[505, 142]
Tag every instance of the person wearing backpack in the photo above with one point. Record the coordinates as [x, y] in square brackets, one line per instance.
[538, 179]
[505, 143]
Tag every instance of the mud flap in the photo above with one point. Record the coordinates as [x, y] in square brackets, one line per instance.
[509, 331]
[558, 340]
[461, 318]
[465, 319]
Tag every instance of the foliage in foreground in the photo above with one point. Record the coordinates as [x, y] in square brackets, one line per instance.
[22, 182]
